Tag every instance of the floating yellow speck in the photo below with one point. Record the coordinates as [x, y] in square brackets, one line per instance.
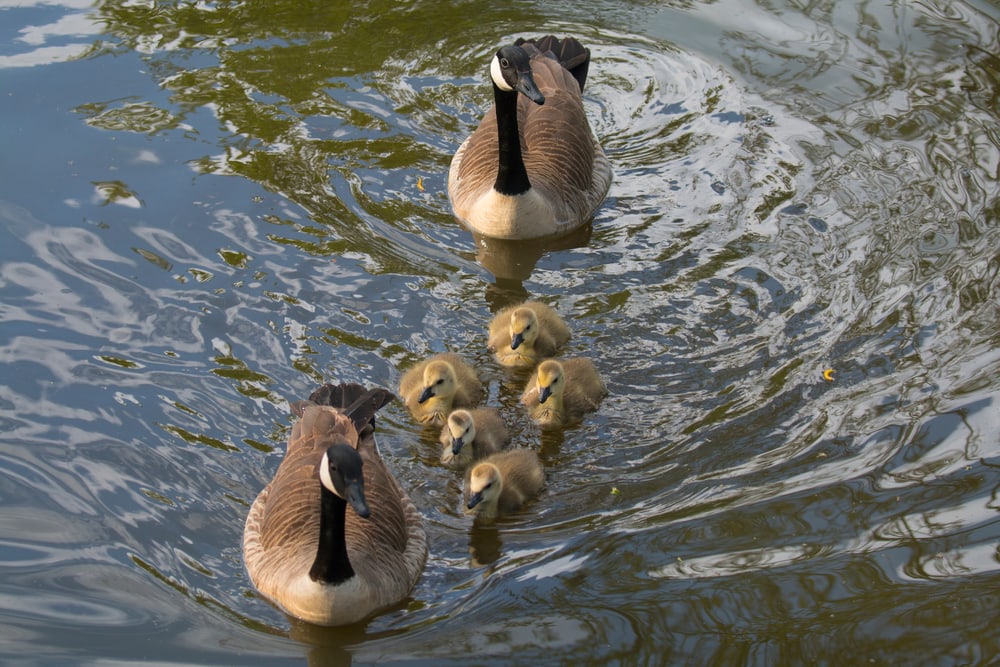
[828, 375]
[615, 491]
[420, 183]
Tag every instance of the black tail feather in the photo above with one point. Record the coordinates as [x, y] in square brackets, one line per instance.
[570, 53]
[354, 400]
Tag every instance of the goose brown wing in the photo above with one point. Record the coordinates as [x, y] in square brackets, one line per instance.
[555, 137]
[292, 502]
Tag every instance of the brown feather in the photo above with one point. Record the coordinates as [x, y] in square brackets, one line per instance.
[564, 161]
[281, 536]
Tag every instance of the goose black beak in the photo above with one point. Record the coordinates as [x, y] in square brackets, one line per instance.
[456, 446]
[474, 500]
[526, 86]
[425, 394]
[356, 497]
[544, 393]
[516, 340]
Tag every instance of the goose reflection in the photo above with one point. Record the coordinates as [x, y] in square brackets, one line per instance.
[511, 262]
[485, 545]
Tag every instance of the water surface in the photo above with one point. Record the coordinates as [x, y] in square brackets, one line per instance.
[208, 209]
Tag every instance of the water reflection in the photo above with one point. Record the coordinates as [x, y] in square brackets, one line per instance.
[512, 262]
[230, 215]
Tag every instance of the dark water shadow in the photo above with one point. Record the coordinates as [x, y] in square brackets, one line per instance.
[512, 262]
[485, 544]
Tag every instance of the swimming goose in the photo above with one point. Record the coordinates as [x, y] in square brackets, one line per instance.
[560, 392]
[435, 386]
[532, 168]
[501, 483]
[522, 334]
[303, 550]
[469, 435]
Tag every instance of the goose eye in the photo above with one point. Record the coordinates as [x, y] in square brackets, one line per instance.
[440, 381]
[504, 62]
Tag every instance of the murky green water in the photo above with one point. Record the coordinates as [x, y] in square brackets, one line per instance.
[207, 209]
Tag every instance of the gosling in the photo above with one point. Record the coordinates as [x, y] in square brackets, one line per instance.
[502, 483]
[435, 386]
[561, 392]
[470, 435]
[521, 335]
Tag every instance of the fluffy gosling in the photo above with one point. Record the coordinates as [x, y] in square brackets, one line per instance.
[522, 334]
[437, 385]
[470, 435]
[502, 483]
[561, 392]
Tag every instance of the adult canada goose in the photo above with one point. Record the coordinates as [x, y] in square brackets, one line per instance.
[469, 435]
[303, 550]
[560, 392]
[435, 386]
[532, 168]
[501, 483]
[522, 334]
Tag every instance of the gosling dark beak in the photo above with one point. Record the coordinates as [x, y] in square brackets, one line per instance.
[474, 500]
[356, 497]
[516, 340]
[526, 86]
[456, 446]
[544, 393]
[425, 394]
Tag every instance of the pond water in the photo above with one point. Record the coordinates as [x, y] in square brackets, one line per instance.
[208, 209]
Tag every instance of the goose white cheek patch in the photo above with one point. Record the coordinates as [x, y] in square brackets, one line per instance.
[497, 75]
[324, 474]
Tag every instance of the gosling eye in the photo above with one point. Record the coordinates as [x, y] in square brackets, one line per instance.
[440, 381]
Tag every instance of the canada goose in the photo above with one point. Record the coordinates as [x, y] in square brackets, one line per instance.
[532, 168]
[560, 392]
[303, 550]
[501, 483]
[469, 435]
[435, 386]
[522, 334]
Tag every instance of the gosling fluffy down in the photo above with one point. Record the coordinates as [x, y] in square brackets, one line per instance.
[502, 483]
[469, 435]
[439, 384]
[561, 392]
[304, 551]
[525, 333]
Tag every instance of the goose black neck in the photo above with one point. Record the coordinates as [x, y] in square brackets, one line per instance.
[331, 565]
[512, 178]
